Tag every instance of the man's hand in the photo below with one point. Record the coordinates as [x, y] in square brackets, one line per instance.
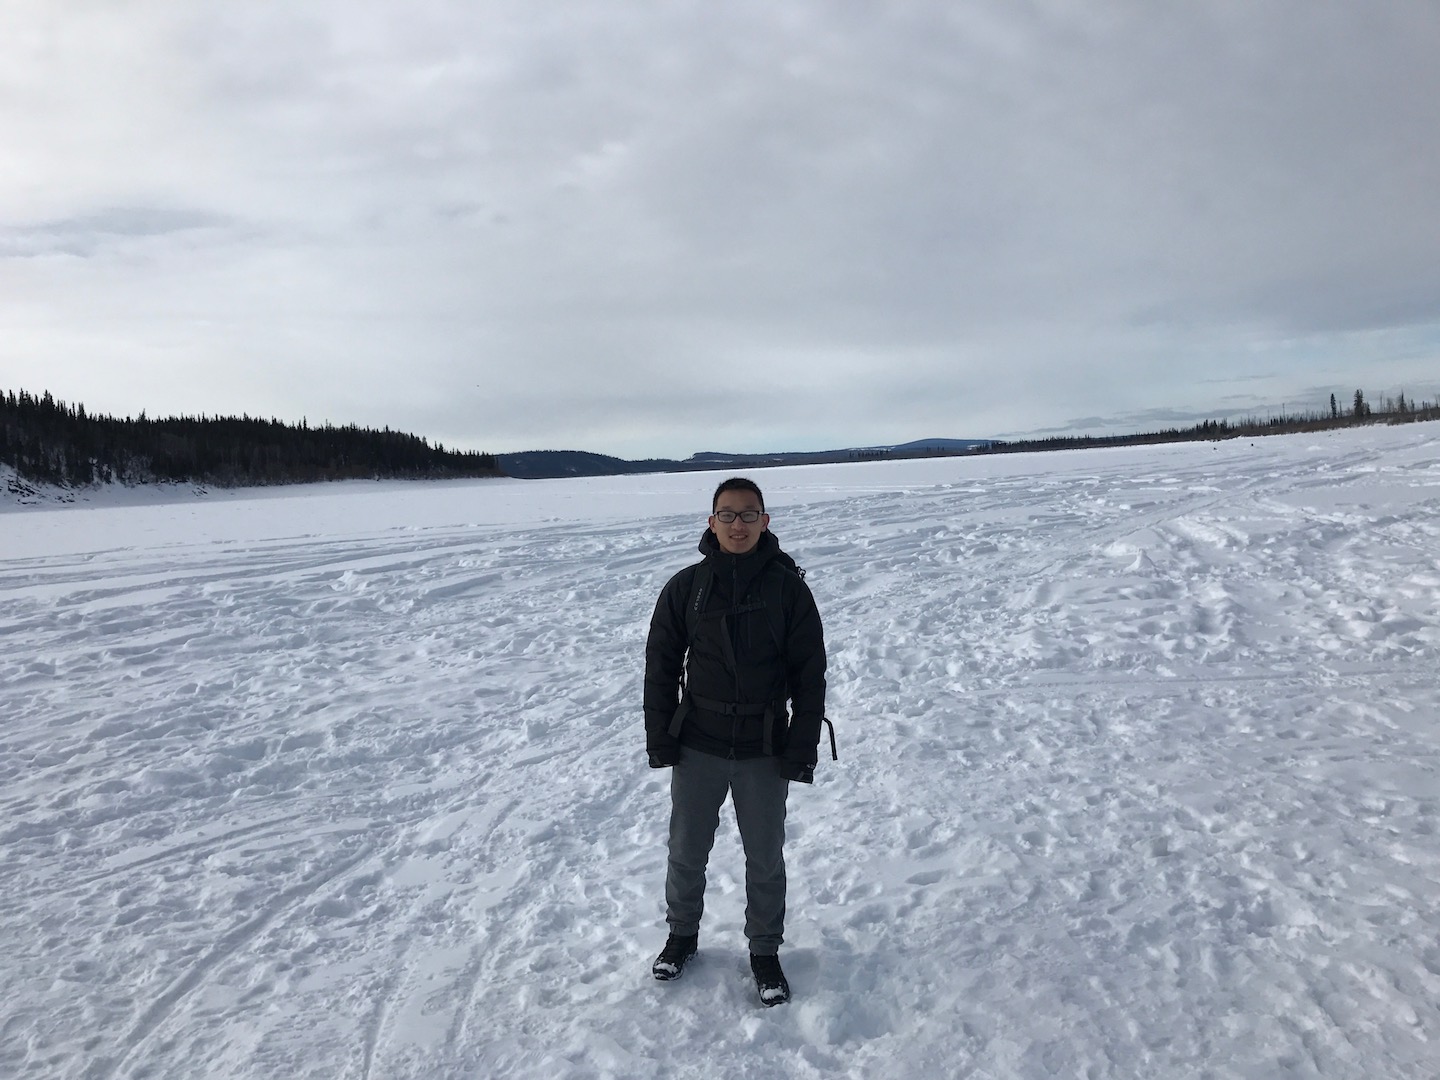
[794, 770]
[663, 759]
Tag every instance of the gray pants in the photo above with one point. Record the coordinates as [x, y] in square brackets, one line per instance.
[698, 786]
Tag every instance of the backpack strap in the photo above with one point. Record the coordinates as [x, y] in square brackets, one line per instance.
[772, 592]
[733, 708]
[699, 592]
[694, 605]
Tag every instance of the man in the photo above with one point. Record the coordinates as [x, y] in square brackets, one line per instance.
[733, 638]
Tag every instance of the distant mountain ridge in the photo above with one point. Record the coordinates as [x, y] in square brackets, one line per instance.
[553, 464]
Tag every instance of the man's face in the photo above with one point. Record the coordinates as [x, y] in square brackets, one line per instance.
[738, 537]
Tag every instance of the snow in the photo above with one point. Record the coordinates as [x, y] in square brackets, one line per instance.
[1138, 776]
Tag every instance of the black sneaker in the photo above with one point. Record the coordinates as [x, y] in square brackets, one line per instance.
[671, 961]
[769, 980]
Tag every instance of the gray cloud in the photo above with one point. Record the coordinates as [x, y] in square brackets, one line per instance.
[85, 234]
[647, 230]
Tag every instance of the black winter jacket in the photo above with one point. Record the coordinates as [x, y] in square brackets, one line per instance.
[764, 670]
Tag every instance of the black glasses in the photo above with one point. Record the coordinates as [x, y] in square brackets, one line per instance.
[747, 516]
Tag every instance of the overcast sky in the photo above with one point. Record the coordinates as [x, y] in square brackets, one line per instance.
[658, 228]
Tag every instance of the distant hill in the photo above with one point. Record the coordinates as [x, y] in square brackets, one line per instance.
[550, 463]
[553, 464]
[949, 446]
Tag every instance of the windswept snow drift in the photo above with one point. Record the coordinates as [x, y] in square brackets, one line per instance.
[1138, 777]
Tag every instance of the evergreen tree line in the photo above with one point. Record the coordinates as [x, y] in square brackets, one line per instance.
[47, 441]
[1359, 410]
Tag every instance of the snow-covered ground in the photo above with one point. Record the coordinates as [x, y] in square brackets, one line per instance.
[1139, 777]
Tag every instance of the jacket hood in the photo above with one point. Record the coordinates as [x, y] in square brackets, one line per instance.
[766, 548]
[749, 564]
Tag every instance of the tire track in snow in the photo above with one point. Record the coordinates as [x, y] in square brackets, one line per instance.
[435, 828]
[205, 845]
[228, 945]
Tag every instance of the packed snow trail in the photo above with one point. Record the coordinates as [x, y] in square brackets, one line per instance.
[1138, 777]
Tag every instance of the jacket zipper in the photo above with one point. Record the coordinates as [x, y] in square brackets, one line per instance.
[734, 633]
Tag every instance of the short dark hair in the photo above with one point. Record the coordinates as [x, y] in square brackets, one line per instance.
[737, 483]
